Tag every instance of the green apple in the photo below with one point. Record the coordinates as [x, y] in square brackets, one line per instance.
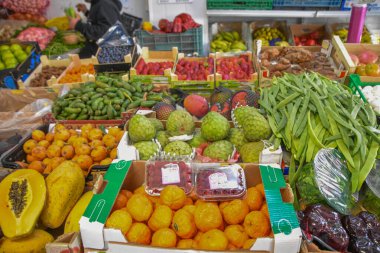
[4, 48]
[16, 47]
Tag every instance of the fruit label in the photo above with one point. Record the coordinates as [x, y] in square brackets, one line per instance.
[220, 181]
[170, 174]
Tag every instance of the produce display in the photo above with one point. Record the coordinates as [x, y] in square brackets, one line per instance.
[106, 98]
[295, 60]
[6, 32]
[228, 42]
[367, 63]
[270, 36]
[181, 23]
[113, 54]
[27, 6]
[12, 55]
[317, 113]
[34, 18]
[235, 68]
[194, 69]
[41, 35]
[372, 94]
[46, 74]
[153, 68]
[74, 75]
[343, 33]
[187, 223]
[63, 43]
[312, 39]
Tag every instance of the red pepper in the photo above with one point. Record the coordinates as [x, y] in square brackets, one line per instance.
[177, 25]
[169, 27]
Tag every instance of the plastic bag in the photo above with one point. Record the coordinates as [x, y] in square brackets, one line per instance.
[371, 193]
[307, 187]
[27, 6]
[115, 36]
[41, 35]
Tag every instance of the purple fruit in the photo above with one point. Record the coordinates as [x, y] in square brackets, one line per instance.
[355, 226]
[362, 245]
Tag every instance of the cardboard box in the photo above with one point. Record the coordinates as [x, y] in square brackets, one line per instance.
[130, 175]
[67, 243]
[305, 29]
[281, 25]
[334, 27]
[240, 27]
[155, 56]
[357, 49]
[333, 49]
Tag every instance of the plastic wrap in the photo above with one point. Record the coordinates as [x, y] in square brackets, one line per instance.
[322, 222]
[371, 193]
[307, 187]
[333, 180]
[42, 35]
[115, 36]
[214, 182]
[27, 6]
[160, 172]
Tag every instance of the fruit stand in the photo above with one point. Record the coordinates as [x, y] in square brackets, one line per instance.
[179, 135]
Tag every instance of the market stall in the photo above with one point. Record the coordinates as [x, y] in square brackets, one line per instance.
[183, 134]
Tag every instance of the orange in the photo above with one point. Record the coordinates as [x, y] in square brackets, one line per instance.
[68, 152]
[114, 131]
[165, 238]
[95, 134]
[161, 218]
[109, 141]
[173, 196]
[106, 161]
[79, 141]
[84, 162]
[120, 219]
[83, 149]
[140, 207]
[59, 127]
[37, 165]
[139, 233]
[39, 153]
[235, 211]
[236, 235]
[113, 153]
[29, 145]
[85, 130]
[49, 137]
[55, 162]
[53, 151]
[73, 133]
[72, 140]
[38, 135]
[249, 243]
[183, 224]
[96, 143]
[186, 244]
[213, 240]
[254, 199]
[256, 225]
[188, 201]
[190, 209]
[119, 136]
[30, 158]
[126, 193]
[46, 161]
[264, 210]
[222, 205]
[59, 143]
[198, 236]
[120, 202]
[207, 216]
[44, 143]
[62, 135]
[260, 188]
[99, 153]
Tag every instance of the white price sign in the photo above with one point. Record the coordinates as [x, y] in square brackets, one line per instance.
[174, 1]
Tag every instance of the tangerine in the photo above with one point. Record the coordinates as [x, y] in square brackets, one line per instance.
[161, 218]
[84, 162]
[85, 129]
[188, 201]
[49, 137]
[257, 225]
[44, 143]
[113, 153]
[55, 162]
[109, 141]
[183, 224]
[59, 127]
[260, 188]
[140, 207]
[99, 153]
[120, 219]
[39, 153]
[235, 211]
[249, 243]
[173, 196]
[62, 135]
[37, 165]
[190, 209]
[29, 145]
[59, 143]
[30, 158]
[165, 238]
[120, 202]
[53, 151]
[254, 199]
[236, 235]
[186, 244]
[139, 233]
[38, 135]
[106, 161]
[79, 141]
[264, 210]
[68, 152]
[207, 216]
[83, 149]
[95, 134]
[114, 131]
[96, 143]
[213, 240]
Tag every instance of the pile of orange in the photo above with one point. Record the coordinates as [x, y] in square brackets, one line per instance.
[174, 220]
[87, 147]
[74, 75]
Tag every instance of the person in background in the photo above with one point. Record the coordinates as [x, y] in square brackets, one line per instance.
[102, 15]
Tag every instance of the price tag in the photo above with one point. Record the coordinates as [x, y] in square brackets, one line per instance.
[170, 174]
[220, 181]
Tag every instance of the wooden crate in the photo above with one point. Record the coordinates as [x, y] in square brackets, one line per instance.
[233, 83]
[333, 49]
[155, 56]
[357, 49]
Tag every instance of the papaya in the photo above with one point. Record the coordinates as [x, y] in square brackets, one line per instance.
[22, 198]
[64, 185]
[72, 221]
[35, 242]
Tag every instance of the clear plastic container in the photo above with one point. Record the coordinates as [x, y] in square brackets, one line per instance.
[160, 173]
[219, 183]
[371, 198]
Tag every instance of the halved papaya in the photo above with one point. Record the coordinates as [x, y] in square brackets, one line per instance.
[22, 197]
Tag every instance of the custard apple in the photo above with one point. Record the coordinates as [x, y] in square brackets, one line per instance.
[146, 149]
[163, 138]
[220, 150]
[180, 122]
[256, 127]
[157, 124]
[240, 113]
[236, 137]
[250, 152]
[197, 140]
[141, 129]
[215, 127]
[178, 148]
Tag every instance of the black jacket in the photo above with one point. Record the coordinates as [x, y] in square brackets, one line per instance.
[102, 15]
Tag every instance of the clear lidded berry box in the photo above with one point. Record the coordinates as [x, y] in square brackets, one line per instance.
[220, 183]
[159, 174]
